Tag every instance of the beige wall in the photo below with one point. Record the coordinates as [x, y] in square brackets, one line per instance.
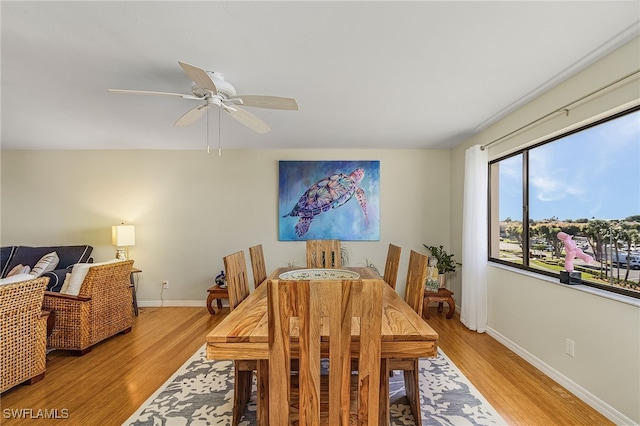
[534, 316]
[191, 208]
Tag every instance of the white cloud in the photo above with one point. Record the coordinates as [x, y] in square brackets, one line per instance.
[551, 179]
[548, 187]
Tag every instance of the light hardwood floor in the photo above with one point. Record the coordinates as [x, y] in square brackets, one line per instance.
[108, 384]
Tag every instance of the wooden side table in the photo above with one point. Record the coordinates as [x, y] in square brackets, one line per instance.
[216, 293]
[132, 284]
[442, 295]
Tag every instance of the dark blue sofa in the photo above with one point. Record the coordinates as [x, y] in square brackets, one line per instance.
[10, 256]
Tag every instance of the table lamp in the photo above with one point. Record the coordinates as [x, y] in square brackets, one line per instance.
[123, 236]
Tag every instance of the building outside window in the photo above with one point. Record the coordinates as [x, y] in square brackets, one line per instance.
[585, 183]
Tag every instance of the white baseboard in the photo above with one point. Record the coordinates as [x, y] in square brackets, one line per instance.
[601, 406]
[171, 303]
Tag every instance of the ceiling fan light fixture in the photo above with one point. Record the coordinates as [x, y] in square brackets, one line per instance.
[214, 100]
[211, 87]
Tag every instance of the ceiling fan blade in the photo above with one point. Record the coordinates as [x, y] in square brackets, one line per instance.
[272, 102]
[191, 116]
[146, 92]
[199, 77]
[248, 119]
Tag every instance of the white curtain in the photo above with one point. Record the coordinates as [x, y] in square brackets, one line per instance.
[473, 312]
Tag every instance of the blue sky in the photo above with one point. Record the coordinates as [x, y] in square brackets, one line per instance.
[590, 174]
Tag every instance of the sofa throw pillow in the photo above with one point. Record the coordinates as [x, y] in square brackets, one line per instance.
[78, 273]
[47, 263]
[65, 284]
[19, 269]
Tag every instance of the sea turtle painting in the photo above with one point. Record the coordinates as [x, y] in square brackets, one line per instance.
[327, 194]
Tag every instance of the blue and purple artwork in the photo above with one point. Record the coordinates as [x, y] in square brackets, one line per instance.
[325, 200]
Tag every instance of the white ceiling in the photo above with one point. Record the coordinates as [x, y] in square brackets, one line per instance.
[366, 74]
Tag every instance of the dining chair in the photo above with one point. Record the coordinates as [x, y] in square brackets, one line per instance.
[235, 268]
[414, 297]
[338, 396]
[391, 266]
[323, 254]
[257, 265]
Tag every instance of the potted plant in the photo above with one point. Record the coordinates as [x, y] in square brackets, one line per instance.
[446, 263]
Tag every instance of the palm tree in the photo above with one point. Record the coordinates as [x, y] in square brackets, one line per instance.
[596, 232]
[615, 231]
[631, 237]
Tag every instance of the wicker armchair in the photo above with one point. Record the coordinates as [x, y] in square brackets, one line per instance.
[102, 308]
[23, 332]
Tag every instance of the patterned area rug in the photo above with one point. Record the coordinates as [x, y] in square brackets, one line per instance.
[201, 393]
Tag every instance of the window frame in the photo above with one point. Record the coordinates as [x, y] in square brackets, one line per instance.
[525, 207]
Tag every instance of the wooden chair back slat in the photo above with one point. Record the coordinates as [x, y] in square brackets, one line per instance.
[416, 277]
[235, 268]
[391, 266]
[323, 254]
[318, 306]
[257, 265]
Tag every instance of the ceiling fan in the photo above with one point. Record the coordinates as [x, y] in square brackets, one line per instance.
[212, 90]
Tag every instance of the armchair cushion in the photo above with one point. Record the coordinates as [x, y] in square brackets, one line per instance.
[56, 278]
[6, 253]
[68, 255]
[16, 278]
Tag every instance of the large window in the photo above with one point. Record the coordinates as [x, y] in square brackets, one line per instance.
[585, 183]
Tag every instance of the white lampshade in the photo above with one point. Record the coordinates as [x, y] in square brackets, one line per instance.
[123, 235]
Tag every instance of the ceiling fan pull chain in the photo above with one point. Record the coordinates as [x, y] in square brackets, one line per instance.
[219, 124]
[208, 113]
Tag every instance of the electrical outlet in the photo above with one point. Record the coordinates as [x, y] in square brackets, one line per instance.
[165, 284]
[571, 348]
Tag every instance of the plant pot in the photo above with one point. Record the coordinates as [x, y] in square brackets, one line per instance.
[442, 280]
[431, 286]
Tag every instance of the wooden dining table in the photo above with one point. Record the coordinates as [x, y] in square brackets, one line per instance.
[243, 336]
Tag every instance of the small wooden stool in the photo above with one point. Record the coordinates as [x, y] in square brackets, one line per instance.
[216, 293]
[443, 295]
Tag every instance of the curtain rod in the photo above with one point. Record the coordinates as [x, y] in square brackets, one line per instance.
[561, 109]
